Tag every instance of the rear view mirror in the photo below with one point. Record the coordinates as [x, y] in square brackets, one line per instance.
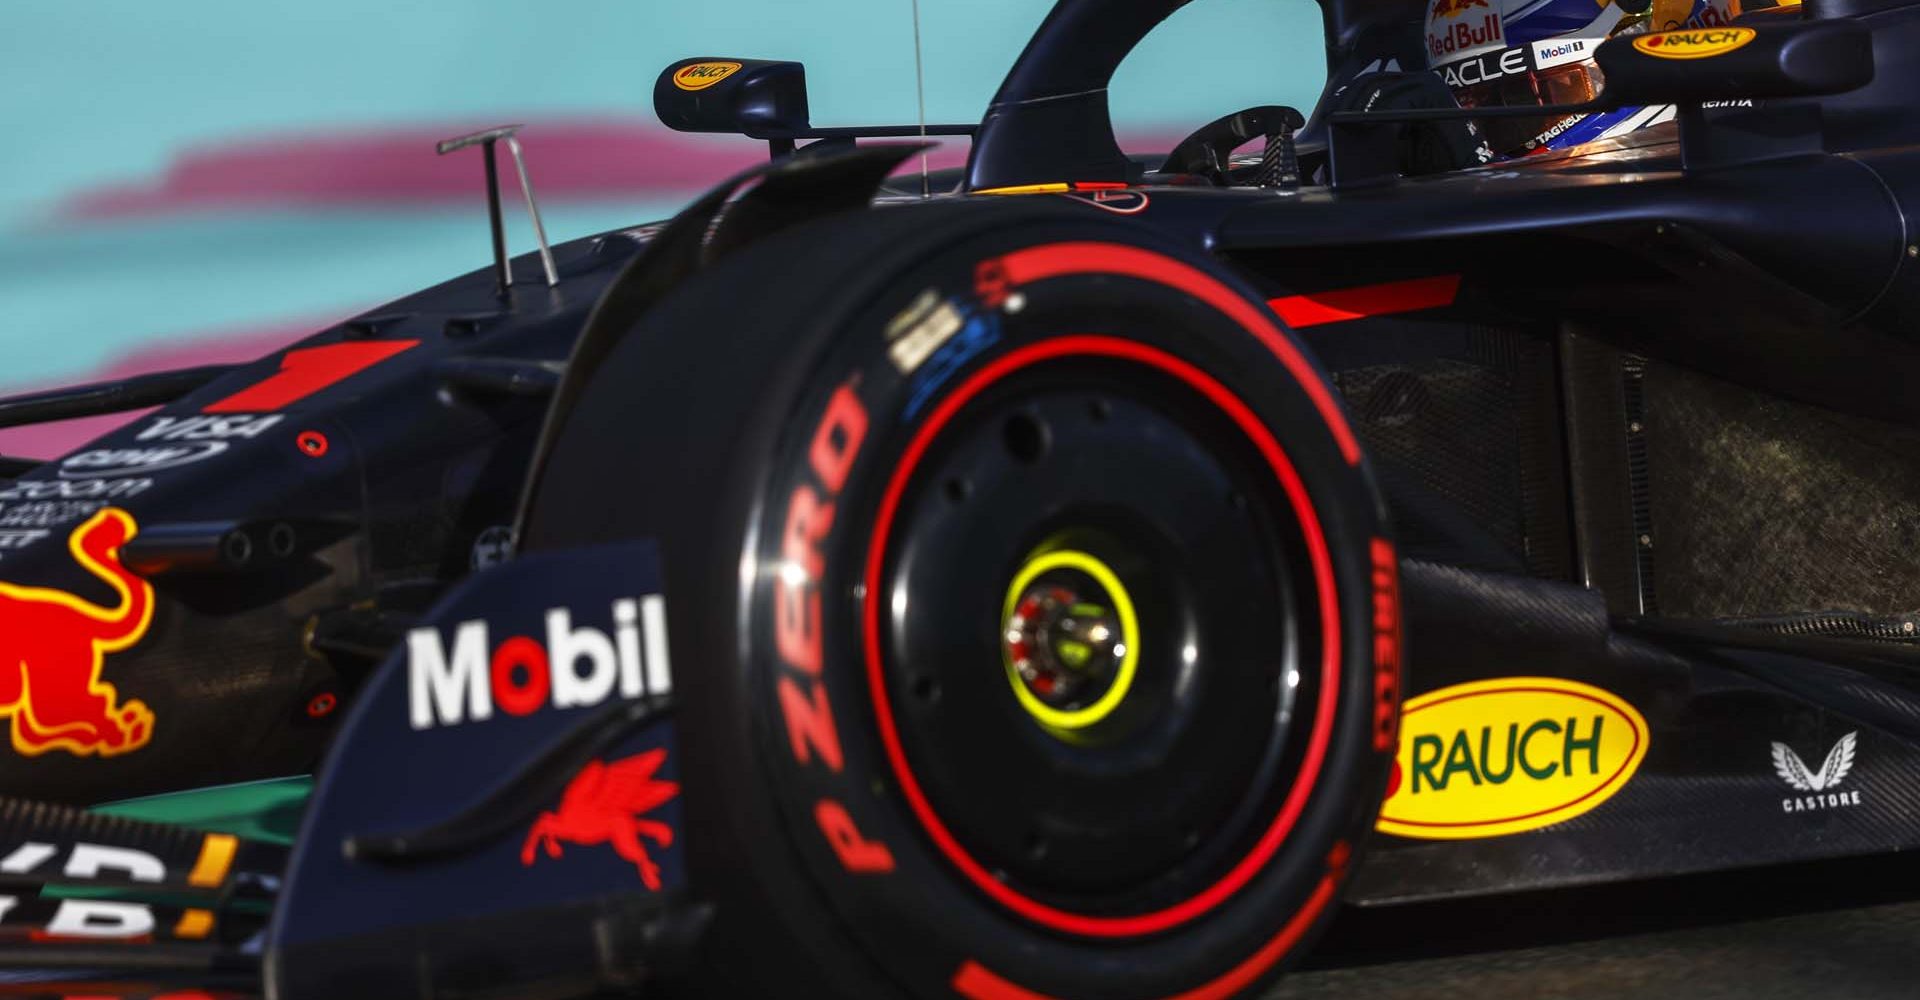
[1731, 63]
[761, 98]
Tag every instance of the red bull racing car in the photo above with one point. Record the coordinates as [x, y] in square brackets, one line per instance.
[1068, 576]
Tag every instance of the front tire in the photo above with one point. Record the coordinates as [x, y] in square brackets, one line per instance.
[1028, 600]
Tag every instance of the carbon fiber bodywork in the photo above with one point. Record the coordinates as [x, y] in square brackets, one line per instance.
[1833, 500]
[1707, 795]
[1641, 420]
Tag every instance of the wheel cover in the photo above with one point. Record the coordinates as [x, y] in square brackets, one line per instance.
[1325, 599]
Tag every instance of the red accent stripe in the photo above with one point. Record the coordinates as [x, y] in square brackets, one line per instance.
[308, 370]
[52, 439]
[978, 982]
[1317, 551]
[1342, 305]
[1061, 259]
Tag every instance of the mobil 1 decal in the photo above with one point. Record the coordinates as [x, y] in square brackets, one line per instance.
[1505, 756]
[502, 710]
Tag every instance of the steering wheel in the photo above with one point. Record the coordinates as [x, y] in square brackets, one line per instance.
[1424, 147]
[1208, 151]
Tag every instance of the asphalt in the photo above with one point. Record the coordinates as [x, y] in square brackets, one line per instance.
[1833, 930]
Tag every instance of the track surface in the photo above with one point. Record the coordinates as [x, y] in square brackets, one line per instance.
[1837, 929]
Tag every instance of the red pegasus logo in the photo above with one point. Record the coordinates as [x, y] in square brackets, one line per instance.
[603, 805]
[55, 644]
[1455, 8]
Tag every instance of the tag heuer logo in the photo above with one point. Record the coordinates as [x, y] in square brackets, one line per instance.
[1822, 784]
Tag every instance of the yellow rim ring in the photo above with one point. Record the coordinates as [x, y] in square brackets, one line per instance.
[1049, 716]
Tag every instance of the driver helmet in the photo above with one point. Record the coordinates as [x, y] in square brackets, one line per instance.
[1514, 53]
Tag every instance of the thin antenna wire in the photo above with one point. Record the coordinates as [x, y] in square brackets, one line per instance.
[920, 85]
[533, 211]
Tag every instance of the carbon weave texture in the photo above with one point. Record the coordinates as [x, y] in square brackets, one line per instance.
[1467, 449]
[1761, 506]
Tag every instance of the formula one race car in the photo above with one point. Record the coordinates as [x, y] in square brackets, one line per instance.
[1002, 582]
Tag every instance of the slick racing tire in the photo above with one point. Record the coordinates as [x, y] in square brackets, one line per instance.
[1034, 628]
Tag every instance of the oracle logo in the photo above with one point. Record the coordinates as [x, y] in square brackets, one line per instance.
[576, 666]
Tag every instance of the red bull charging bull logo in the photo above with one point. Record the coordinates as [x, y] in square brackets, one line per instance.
[604, 805]
[58, 643]
[1455, 8]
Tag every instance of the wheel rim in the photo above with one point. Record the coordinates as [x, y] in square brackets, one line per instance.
[1272, 784]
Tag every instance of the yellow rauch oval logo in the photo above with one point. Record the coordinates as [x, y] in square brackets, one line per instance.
[1503, 756]
[701, 75]
[1699, 43]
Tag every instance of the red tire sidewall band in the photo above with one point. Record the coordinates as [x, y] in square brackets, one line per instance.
[864, 828]
[1097, 346]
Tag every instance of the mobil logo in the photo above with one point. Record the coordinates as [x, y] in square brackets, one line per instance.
[1561, 51]
[607, 803]
[467, 676]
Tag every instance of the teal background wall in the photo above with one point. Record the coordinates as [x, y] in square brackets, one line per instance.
[203, 179]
